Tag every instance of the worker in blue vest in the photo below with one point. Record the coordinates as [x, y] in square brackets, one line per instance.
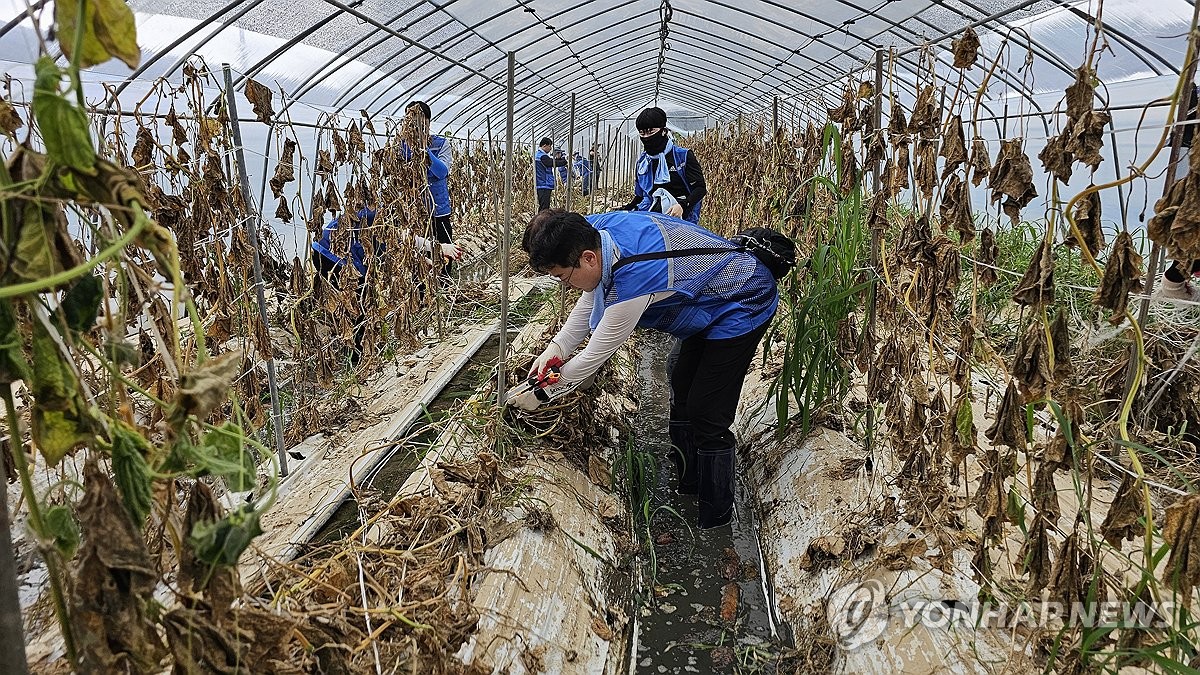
[664, 165]
[564, 171]
[330, 259]
[439, 156]
[544, 163]
[631, 269]
[583, 169]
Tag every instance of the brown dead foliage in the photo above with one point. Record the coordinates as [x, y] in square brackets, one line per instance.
[1181, 529]
[926, 119]
[111, 581]
[1176, 222]
[1059, 454]
[260, 96]
[1072, 573]
[925, 170]
[897, 126]
[1056, 159]
[285, 171]
[966, 49]
[960, 370]
[1087, 219]
[1035, 557]
[1122, 519]
[1031, 363]
[143, 149]
[1037, 284]
[896, 173]
[1122, 275]
[987, 254]
[955, 209]
[981, 164]
[1012, 178]
[283, 211]
[954, 146]
[10, 121]
[1060, 339]
[1009, 427]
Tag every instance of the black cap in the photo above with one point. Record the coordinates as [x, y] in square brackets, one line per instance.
[651, 118]
[423, 106]
[545, 141]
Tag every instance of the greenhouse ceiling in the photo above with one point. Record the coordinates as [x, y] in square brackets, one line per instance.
[705, 61]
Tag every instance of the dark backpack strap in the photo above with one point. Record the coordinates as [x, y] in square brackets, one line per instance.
[661, 255]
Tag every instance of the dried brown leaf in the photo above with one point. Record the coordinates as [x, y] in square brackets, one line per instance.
[981, 164]
[966, 49]
[1031, 366]
[1087, 219]
[1122, 275]
[260, 99]
[954, 147]
[1009, 427]
[1181, 529]
[1037, 284]
[1127, 509]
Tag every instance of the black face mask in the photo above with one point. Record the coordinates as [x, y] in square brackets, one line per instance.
[655, 144]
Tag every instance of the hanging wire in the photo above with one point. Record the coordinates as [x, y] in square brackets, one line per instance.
[664, 32]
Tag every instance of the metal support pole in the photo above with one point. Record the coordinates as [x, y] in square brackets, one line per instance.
[252, 234]
[502, 369]
[571, 156]
[12, 634]
[594, 152]
[872, 299]
[1188, 77]
[775, 116]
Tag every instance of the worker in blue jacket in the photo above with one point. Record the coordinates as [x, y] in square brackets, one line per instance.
[440, 156]
[664, 165]
[544, 163]
[634, 272]
[330, 259]
[564, 171]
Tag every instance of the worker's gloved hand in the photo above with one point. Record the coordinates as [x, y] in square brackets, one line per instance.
[541, 363]
[452, 251]
[527, 400]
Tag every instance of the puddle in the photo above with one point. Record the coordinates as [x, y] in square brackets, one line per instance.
[703, 600]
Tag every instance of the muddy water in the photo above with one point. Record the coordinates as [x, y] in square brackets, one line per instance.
[704, 605]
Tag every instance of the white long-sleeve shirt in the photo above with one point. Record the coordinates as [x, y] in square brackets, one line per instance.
[614, 329]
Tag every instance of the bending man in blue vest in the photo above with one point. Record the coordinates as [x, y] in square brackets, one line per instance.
[583, 169]
[644, 269]
[543, 172]
[439, 156]
[664, 165]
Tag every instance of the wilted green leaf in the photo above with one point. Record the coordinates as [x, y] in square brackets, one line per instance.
[222, 542]
[116, 29]
[82, 302]
[225, 455]
[60, 422]
[132, 473]
[64, 127]
[12, 361]
[66, 22]
[122, 353]
[60, 525]
[34, 257]
[964, 422]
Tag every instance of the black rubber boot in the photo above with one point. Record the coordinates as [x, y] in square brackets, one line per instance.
[683, 456]
[716, 487]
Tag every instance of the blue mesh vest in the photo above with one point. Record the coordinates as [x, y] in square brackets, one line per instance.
[717, 295]
[543, 175]
[645, 185]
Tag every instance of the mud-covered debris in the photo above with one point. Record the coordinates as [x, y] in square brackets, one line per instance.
[731, 563]
[901, 556]
[730, 594]
[966, 49]
[1122, 275]
[1037, 284]
[601, 629]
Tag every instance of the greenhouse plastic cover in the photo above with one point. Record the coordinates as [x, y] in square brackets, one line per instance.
[720, 58]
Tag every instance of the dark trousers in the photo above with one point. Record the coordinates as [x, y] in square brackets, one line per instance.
[443, 231]
[706, 384]
[543, 196]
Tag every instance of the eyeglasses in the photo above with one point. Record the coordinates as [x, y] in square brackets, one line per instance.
[646, 133]
[567, 281]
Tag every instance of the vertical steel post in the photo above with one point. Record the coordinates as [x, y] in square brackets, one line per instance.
[12, 633]
[252, 234]
[595, 162]
[775, 116]
[502, 369]
[571, 157]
